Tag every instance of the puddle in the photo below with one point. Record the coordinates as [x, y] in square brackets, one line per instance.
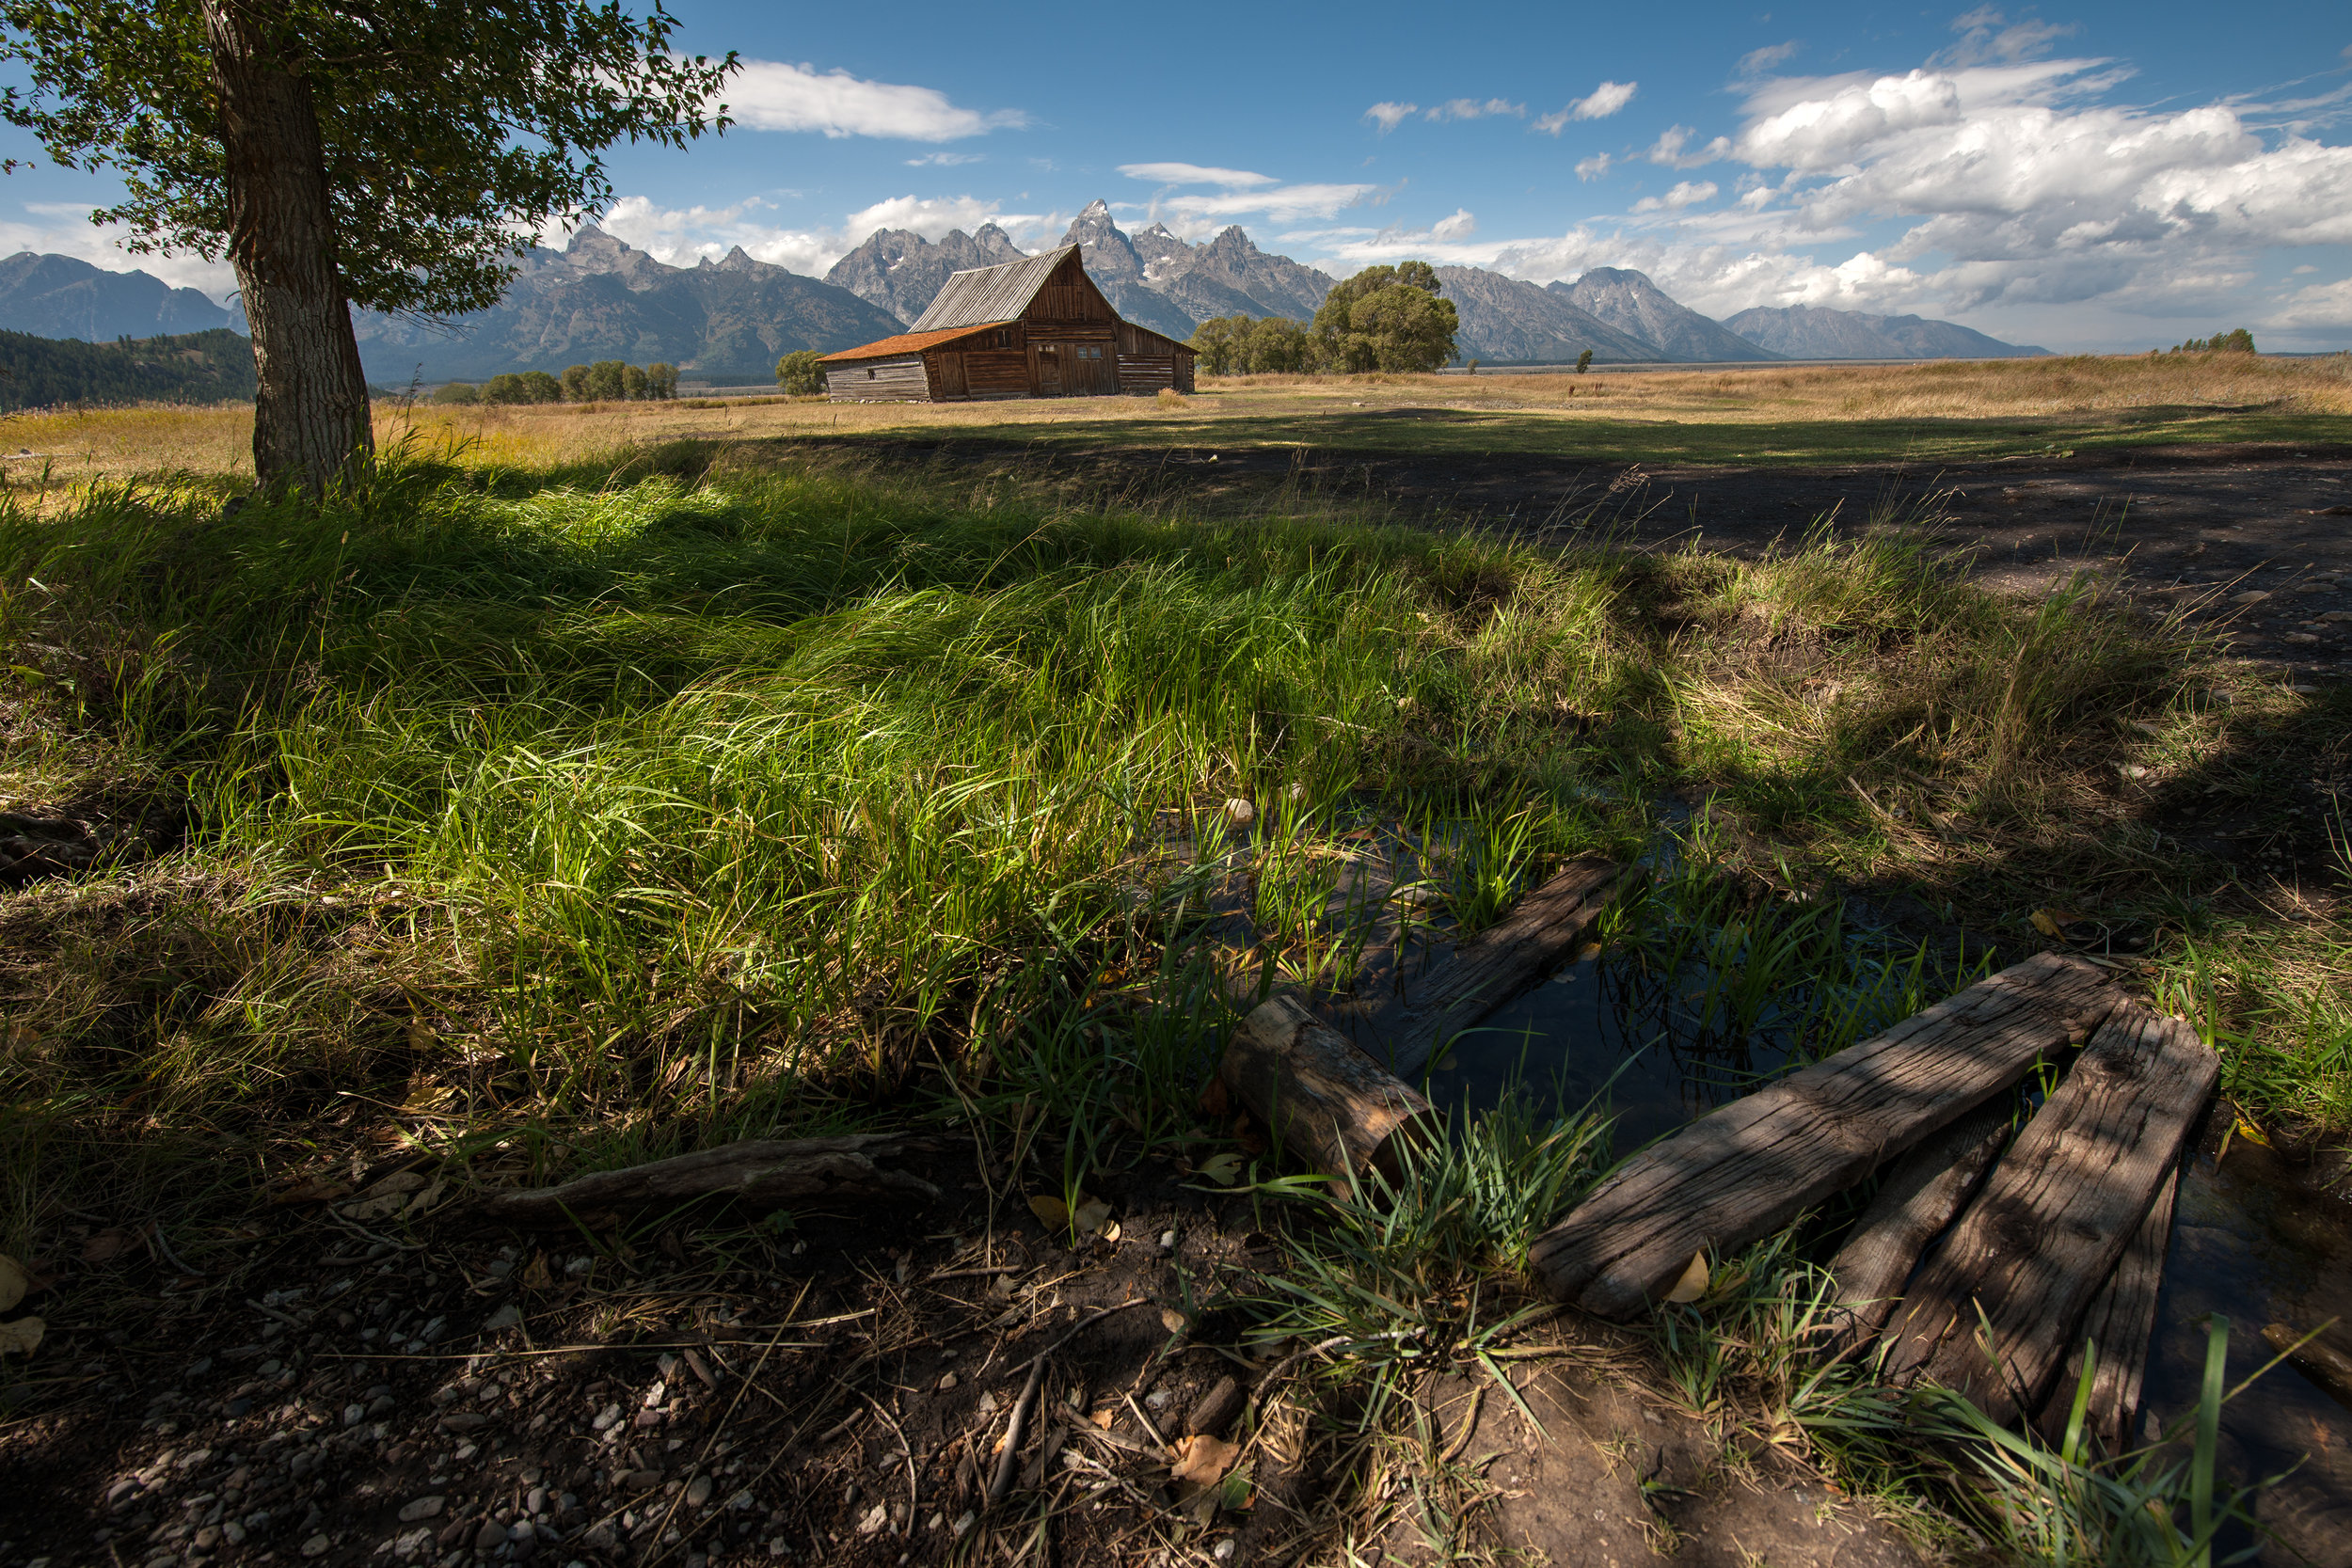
[2251, 1242]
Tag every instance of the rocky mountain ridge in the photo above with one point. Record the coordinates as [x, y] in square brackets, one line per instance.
[1818, 332]
[1629, 302]
[63, 297]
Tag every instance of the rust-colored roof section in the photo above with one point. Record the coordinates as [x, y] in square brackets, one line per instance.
[906, 342]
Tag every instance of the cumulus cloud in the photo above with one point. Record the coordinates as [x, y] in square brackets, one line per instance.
[1389, 116]
[1595, 167]
[1685, 194]
[771, 95]
[1670, 149]
[1604, 101]
[946, 160]
[683, 236]
[1195, 174]
[1191, 211]
[64, 228]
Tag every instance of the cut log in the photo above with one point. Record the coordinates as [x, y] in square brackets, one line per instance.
[1994, 1309]
[1503, 960]
[2325, 1364]
[1747, 1168]
[2118, 1325]
[1330, 1104]
[1927, 1187]
[771, 1171]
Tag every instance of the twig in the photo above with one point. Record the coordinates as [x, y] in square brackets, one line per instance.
[1157, 1436]
[286, 1318]
[155, 1234]
[1018, 1425]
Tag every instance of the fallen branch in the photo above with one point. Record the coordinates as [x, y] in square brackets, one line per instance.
[767, 1171]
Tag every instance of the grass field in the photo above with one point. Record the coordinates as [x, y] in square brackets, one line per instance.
[595, 784]
[1751, 415]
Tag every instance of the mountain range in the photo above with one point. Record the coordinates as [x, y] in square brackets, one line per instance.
[1815, 332]
[731, 319]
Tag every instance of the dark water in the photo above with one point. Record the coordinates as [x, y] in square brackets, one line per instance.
[2250, 1240]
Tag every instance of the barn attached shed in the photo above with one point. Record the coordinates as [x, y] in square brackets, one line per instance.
[1038, 327]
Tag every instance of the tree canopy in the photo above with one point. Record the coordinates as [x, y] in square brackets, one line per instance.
[396, 155]
[1387, 319]
[1255, 346]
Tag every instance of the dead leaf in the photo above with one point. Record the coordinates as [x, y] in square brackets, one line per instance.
[428, 1198]
[2052, 923]
[1693, 1284]
[400, 1181]
[1091, 1215]
[1225, 1169]
[316, 1189]
[1173, 1321]
[1052, 1213]
[13, 1281]
[1101, 1419]
[1213, 1098]
[535, 1274]
[1203, 1459]
[105, 1246]
[21, 1336]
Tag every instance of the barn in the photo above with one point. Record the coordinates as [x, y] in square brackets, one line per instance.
[1033, 328]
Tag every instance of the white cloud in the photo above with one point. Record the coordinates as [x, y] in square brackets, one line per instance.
[683, 236]
[1685, 194]
[1756, 62]
[771, 95]
[1389, 116]
[64, 228]
[1668, 148]
[1604, 101]
[1195, 174]
[1595, 167]
[1472, 108]
[1458, 227]
[946, 160]
[1191, 212]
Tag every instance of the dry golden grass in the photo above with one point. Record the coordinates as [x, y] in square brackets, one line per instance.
[43, 454]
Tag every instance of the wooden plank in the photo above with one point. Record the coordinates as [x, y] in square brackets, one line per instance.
[1503, 960]
[1747, 1168]
[1993, 1310]
[2121, 1323]
[1328, 1102]
[1927, 1187]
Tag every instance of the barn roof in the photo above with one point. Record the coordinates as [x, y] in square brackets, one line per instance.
[905, 343]
[997, 294]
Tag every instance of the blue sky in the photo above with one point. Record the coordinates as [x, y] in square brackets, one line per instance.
[2084, 177]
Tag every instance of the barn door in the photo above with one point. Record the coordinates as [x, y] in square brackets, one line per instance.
[1049, 370]
[947, 375]
[1098, 370]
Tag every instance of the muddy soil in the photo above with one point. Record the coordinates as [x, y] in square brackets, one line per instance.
[2192, 526]
[417, 1389]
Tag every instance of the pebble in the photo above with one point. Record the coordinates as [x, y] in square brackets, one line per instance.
[423, 1508]
[505, 1317]
[465, 1420]
[698, 1491]
[316, 1546]
[1239, 813]
[946, 1381]
[490, 1537]
[536, 1501]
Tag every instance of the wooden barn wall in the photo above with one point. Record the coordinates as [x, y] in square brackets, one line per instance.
[996, 373]
[898, 380]
[1142, 374]
[1069, 295]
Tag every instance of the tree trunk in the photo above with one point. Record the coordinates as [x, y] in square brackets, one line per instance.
[311, 414]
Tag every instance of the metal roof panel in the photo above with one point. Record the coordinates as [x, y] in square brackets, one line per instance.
[987, 294]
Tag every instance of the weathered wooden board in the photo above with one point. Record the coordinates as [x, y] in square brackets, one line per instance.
[1330, 1104]
[1921, 1195]
[2120, 1322]
[1749, 1168]
[1503, 960]
[1993, 1310]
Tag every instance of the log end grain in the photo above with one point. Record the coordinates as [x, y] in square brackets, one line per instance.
[1328, 1102]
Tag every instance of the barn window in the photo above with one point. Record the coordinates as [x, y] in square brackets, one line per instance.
[870, 372]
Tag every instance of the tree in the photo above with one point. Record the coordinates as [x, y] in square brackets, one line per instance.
[1214, 340]
[397, 156]
[661, 380]
[634, 384]
[541, 387]
[1387, 319]
[575, 383]
[1247, 345]
[608, 381]
[799, 374]
[1584, 361]
[458, 391]
[2239, 341]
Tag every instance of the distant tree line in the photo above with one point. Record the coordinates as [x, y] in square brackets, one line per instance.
[2240, 341]
[1382, 319]
[194, 367]
[606, 381]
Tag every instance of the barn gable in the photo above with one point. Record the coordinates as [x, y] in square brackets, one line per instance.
[1036, 328]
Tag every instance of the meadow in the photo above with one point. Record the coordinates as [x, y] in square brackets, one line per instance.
[592, 783]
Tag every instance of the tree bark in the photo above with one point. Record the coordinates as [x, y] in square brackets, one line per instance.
[310, 412]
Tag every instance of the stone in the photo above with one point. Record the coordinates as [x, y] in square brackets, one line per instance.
[490, 1537]
[1239, 813]
[317, 1546]
[465, 1420]
[423, 1508]
[698, 1491]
